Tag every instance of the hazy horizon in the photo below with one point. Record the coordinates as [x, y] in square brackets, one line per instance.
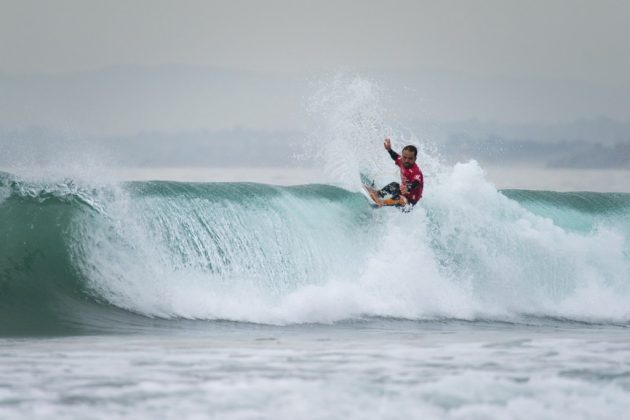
[159, 84]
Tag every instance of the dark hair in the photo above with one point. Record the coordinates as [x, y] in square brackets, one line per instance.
[413, 149]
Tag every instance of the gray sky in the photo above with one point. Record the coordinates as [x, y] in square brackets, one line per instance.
[569, 39]
[117, 68]
[519, 61]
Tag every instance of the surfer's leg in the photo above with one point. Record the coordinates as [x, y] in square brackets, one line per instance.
[373, 194]
[398, 202]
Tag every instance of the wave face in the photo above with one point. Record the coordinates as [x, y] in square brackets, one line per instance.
[79, 259]
[84, 255]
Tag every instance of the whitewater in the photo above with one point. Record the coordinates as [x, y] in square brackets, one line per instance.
[248, 300]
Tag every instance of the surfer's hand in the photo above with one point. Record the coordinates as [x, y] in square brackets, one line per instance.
[403, 189]
[388, 144]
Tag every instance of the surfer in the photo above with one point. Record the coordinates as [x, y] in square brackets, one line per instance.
[409, 191]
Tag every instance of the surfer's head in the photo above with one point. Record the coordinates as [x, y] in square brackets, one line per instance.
[408, 157]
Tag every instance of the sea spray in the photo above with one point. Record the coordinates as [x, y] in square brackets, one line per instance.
[350, 123]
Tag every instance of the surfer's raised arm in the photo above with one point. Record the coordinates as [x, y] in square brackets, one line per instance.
[388, 146]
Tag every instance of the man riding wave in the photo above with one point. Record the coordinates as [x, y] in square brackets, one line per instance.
[409, 191]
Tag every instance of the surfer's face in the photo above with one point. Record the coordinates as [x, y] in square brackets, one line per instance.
[408, 158]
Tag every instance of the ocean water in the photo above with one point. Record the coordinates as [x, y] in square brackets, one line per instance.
[243, 300]
[163, 299]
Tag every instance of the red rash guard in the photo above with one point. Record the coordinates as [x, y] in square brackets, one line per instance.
[413, 179]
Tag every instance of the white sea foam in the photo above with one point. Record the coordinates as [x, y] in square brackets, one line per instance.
[321, 373]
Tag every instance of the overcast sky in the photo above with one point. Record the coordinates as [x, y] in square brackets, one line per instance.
[570, 39]
[62, 62]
